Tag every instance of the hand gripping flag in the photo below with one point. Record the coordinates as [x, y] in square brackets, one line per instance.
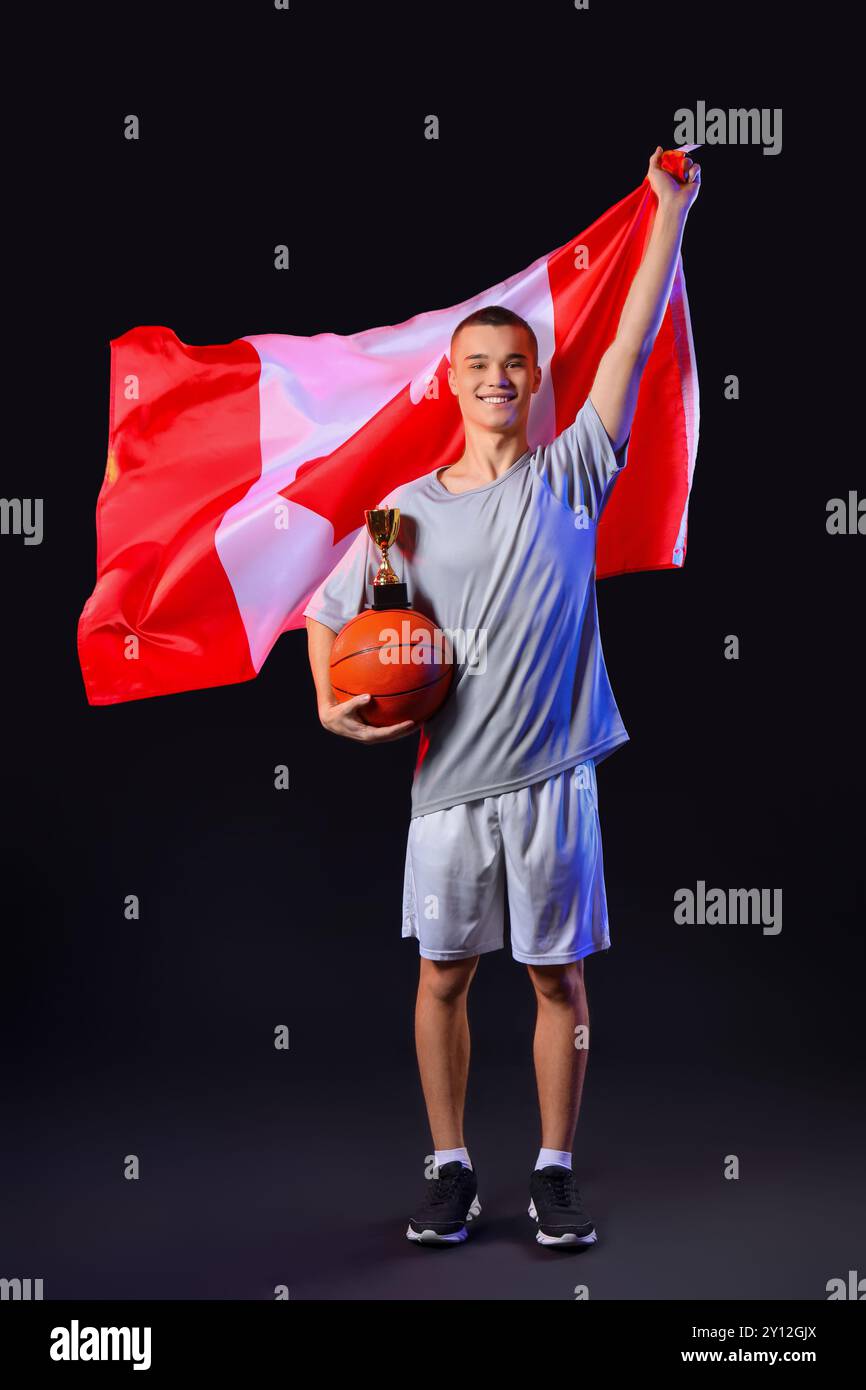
[238, 474]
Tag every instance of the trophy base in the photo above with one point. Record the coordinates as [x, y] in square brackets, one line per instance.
[390, 596]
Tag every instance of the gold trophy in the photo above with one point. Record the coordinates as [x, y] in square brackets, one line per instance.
[382, 527]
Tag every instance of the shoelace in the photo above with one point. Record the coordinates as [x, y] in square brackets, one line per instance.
[442, 1188]
[561, 1188]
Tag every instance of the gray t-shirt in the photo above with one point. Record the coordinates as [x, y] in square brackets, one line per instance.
[508, 571]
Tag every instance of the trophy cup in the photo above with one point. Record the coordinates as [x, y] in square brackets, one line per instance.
[382, 527]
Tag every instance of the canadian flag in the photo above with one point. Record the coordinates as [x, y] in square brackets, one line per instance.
[238, 474]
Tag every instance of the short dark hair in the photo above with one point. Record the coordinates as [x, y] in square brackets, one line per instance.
[497, 317]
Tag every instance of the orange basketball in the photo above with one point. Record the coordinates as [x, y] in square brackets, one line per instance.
[397, 655]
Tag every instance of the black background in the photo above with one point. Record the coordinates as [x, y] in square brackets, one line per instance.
[261, 907]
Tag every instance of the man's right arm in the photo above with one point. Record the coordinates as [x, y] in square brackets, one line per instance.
[343, 717]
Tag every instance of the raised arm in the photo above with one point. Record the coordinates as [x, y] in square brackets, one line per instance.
[615, 389]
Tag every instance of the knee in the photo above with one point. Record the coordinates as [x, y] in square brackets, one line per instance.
[447, 981]
[558, 984]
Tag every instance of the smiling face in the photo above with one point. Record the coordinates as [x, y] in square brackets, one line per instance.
[494, 375]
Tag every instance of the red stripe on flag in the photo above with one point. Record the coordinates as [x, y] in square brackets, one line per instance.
[181, 453]
[641, 521]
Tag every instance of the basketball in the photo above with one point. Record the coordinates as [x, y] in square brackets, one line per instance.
[397, 655]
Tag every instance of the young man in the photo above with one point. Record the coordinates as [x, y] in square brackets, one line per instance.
[499, 548]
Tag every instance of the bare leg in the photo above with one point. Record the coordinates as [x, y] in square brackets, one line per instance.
[560, 1067]
[442, 1044]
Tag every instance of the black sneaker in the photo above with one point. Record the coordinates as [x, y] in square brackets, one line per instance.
[450, 1202]
[557, 1208]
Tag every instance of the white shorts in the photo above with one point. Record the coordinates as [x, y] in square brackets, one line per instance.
[540, 844]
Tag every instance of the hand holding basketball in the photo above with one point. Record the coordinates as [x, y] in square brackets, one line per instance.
[343, 717]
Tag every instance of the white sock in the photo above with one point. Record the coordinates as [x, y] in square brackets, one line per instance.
[450, 1155]
[547, 1156]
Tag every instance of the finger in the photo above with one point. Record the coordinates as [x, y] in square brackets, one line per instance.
[695, 173]
[353, 702]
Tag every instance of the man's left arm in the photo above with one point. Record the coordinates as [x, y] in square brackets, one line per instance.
[614, 391]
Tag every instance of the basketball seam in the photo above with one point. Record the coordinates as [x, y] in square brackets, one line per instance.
[365, 651]
[393, 694]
